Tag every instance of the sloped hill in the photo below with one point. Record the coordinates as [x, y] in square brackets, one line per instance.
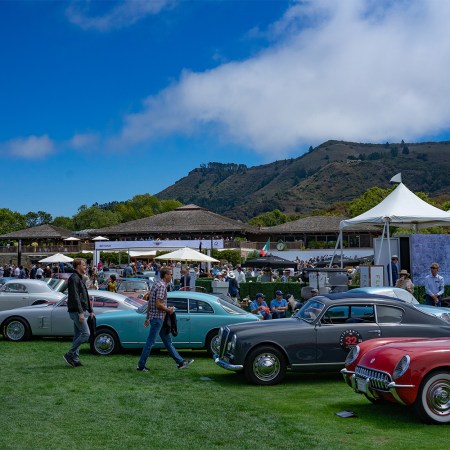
[334, 171]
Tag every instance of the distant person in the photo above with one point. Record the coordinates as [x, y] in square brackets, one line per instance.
[80, 308]
[404, 282]
[39, 273]
[233, 287]
[394, 265]
[434, 286]
[185, 280]
[128, 271]
[259, 306]
[112, 284]
[278, 306]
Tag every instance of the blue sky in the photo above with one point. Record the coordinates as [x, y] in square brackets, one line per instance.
[104, 100]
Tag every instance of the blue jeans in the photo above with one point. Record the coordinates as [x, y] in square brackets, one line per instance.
[155, 329]
[81, 334]
[430, 300]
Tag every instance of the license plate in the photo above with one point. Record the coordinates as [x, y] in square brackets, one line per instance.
[361, 385]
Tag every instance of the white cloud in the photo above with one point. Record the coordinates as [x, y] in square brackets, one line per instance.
[84, 141]
[358, 70]
[31, 147]
[120, 13]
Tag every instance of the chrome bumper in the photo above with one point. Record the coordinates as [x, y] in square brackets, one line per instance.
[391, 387]
[228, 366]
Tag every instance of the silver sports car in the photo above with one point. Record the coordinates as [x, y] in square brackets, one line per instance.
[17, 293]
[49, 319]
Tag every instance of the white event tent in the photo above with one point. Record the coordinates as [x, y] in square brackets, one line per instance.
[401, 208]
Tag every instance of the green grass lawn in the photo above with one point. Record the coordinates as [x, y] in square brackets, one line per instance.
[107, 404]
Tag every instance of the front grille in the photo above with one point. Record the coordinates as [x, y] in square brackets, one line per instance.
[223, 341]
[378, 380]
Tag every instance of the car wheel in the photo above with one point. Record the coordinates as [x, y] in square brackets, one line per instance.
[433, 400]
[265, 366]
[16, 329]
[106, 342]
[212, 342]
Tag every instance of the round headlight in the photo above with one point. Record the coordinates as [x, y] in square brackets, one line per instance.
[352, 355]
[401, 367]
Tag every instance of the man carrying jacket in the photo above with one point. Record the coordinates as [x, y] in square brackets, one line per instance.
[79, 307]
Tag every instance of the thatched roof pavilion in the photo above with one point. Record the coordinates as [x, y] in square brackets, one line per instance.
[46, 231]
[320, 228]
[189, 221]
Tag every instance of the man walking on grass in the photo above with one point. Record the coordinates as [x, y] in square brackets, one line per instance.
[79, 307]
[156, 313]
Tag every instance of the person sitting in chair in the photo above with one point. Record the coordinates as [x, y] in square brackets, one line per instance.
[278, 306]
[259, 306]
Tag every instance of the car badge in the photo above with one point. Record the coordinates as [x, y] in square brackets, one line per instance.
[372, 360]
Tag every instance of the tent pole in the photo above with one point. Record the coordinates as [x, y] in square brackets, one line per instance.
[391, 280]
[335, 249]
[377, 259]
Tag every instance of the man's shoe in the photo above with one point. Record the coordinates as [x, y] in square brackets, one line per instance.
[78, 363]
[185, 363]
[144, 369]
[69, 360]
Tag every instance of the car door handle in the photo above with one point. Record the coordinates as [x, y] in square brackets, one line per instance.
[375, 332]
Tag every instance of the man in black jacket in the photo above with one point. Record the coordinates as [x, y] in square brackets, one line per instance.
[79, 307]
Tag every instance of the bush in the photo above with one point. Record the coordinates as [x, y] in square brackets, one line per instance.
[268, 289]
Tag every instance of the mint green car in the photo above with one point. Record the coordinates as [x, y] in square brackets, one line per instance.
[199, 318]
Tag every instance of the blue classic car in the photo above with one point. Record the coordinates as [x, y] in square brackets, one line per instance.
[199, 318]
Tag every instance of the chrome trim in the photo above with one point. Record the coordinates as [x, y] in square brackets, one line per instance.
[346, 372]
[228, 366]
[393, 390]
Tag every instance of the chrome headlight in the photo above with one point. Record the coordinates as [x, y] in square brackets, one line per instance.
[401, 367]
[231, 344]
[352, 355]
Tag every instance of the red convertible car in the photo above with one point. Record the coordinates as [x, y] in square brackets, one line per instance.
[411, 371]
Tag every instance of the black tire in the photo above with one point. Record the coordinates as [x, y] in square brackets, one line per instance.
[265, 365]
[212, 342]
[105, 343]
[433, 399]
[16, 329]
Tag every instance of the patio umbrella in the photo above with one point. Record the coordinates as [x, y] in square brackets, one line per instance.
[100, 238]
[57, 258]
[187, 254]
[71, 238]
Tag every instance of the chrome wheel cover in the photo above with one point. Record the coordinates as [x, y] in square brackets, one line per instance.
[438, 397]
[104, 344]
[266, 366]
[15, 330]
[215, 345]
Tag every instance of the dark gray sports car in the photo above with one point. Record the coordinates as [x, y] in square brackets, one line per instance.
[320, 335]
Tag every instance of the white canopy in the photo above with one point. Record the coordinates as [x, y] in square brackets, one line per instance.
[402, 208]
[71, 238]
[187, 254]
[57, 258]
[100, 238]
[136, 253]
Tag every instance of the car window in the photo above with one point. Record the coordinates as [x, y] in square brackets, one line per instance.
[230, 308]
[389, 314]
[180, 304]
[310, 310]
[15, 287]
[349, 314]
[200, 307]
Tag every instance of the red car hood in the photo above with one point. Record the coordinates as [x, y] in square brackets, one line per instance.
[384, 356]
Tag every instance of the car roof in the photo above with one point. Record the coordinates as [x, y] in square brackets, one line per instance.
[342, 297]
[194, 295]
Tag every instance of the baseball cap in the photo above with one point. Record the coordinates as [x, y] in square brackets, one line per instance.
[260, 295]
[278, 293]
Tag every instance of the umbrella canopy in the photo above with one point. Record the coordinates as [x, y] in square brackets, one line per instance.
[274, 262]
[57, 258]
[100, 238]
[71, 238]
[187, 254]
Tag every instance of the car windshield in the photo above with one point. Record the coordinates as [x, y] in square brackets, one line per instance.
[230, 308]
[310, 311]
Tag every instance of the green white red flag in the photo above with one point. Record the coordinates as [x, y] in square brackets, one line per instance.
[265, 249]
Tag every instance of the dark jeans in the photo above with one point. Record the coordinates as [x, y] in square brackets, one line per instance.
[430, 300]
[156, 327]
[278, 315]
